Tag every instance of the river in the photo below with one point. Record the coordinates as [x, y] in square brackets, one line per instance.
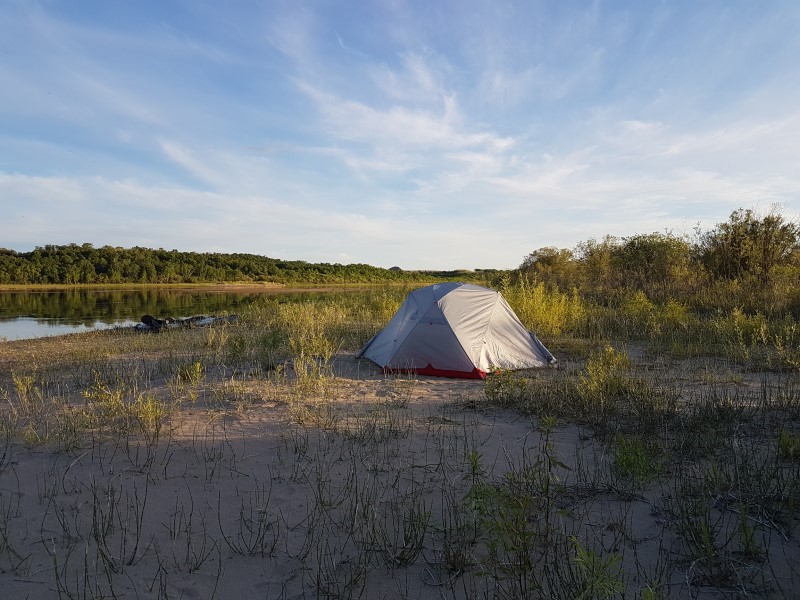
[26, 314]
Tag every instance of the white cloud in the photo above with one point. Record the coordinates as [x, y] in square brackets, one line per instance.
[418, 81]
[292, 33]
[435, 148]
[501, 88]
[183, 157]
[390, 134]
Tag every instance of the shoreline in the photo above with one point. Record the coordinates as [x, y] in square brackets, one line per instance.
[206, 287]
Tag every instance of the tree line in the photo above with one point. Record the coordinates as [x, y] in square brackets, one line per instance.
[751, 261]
[75, 264]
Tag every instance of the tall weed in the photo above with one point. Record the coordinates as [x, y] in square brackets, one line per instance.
[548, 311]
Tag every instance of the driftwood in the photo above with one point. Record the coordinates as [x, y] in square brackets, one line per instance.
[150, 323]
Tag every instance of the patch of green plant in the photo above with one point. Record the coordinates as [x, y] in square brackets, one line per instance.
[150, 412]
[514, 517]
[116, 408]
[236, 348]
[639, 315]
[547, 392]
[788, 445]
[505, 388]
[105, 401]
[192, 373]
[705, 533]
[25, 387]
[749, 547]
[610, 398]
[187, 379]
[546, 310]
[635, 461]
[378, 425]
[401, 533]
[599, 576]
[606, 377]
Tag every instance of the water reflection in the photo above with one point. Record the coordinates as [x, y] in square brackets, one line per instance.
[29, 314]
[24, 328]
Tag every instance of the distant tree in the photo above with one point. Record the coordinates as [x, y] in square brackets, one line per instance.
[749, 244]
[551, 265]
[597, 270]
[74, 264]
[656, 263]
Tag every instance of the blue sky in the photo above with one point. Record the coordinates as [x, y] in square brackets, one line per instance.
[424, 134]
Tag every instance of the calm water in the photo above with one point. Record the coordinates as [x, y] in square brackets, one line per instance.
[31, 314]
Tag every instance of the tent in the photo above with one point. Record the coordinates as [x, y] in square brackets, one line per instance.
[455, 330]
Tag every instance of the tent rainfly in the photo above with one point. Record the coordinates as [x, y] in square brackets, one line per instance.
[455, 330]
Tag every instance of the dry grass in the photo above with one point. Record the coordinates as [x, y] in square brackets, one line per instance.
[262, 460]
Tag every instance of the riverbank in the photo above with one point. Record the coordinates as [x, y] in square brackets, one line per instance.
[29, 312]
[223, 286]
[263, 459]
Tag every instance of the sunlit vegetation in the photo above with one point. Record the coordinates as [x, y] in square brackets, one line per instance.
[84, 264]
[751, 262]
[261, 459]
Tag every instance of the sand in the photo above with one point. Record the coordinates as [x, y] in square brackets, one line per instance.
[269, 489]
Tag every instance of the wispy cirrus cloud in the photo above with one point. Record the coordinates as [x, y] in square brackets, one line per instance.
[392, 133]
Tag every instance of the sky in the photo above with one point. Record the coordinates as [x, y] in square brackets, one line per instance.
[424, 134]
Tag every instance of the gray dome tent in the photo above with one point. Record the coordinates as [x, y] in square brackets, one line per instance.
[455, 330]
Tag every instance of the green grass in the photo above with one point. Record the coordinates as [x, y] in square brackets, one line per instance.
[684, 421]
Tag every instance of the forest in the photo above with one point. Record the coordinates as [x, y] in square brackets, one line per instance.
[659, 460]
[750, 261]
[83, 264]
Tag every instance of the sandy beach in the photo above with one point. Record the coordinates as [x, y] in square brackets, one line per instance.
[345, 482]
